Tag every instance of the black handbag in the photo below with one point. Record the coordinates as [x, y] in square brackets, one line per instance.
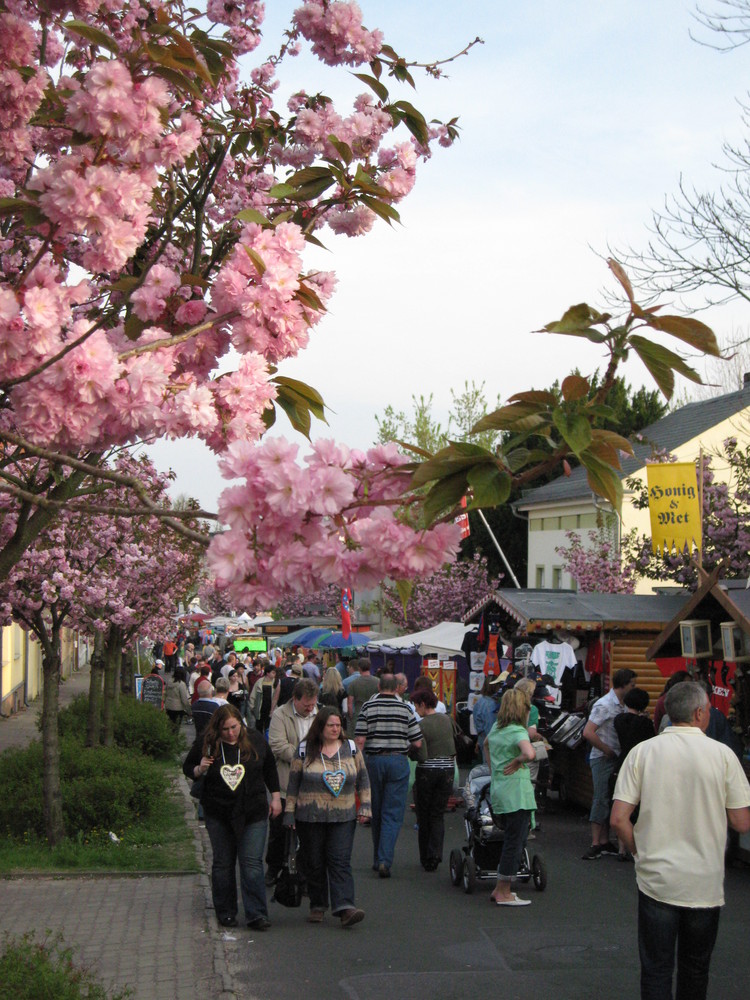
[288, 890]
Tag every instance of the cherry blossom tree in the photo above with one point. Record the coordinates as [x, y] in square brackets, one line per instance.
[325, 601]
[156, 207]
[597, 567]
[445, 595]
[156, 211]
[110, 575]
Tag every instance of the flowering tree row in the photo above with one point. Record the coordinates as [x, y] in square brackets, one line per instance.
[109, 575]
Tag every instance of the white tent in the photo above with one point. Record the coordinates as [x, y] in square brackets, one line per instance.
[443, 640]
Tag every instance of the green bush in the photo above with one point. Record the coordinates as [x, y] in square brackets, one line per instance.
[103, 788]
[137, 726]
[30, 970]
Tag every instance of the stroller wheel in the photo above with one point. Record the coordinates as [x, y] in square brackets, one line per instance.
[538, 873]
[469, 875]
[455, 865]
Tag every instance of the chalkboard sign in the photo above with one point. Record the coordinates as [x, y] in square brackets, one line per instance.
[152, 691]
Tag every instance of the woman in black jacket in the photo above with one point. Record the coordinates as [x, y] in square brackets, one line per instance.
[237, 767]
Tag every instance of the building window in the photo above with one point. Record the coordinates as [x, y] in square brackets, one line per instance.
[557, 577]
[540, 578]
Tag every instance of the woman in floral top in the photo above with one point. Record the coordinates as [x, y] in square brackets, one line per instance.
[326, 777]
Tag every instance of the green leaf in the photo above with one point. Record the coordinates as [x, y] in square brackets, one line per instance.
[14, 206]
[311, 396]
[194, 280]
[444, 495]
[299, 416]
[381, 208]
[282, 191]
[375, 85]
[179, 80]
[269, 417]
[490, 485]
[256, 258]
[305, 294]
[344, 151]
[441, 468]
[404, 589]
[134, 327]
[615, 440]
[125, 284]
[689, 331]
[574, 387]
[662, 364]
[574, 429]
[93, 35]
[251, 215]
[539, 397]
[314, 189]
[603, 479]
[307, 174]
[515, 417]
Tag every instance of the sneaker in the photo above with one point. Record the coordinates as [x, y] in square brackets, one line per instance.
[227, 921]
[260, 923]
[351, 917]
[315, 916]
[593, 854]
[626, 856]
[610, 850]
[384, 871]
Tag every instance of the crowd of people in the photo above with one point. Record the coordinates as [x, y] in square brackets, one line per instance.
[284, 743]
[290, 745]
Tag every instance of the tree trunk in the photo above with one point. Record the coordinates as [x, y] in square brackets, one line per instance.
[112, 659]
[94, 724]
[51, 791]
[127, 674]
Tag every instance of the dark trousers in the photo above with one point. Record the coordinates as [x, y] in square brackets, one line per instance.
[432, 789]
[660, 927]
[327, 858]
[275, 852]
[516, 827]
[227, 848]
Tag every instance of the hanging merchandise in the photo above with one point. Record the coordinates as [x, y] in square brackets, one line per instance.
[232, 774]
[492, 663]
[553, 657]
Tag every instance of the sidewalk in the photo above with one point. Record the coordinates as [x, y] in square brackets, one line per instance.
[152, 933]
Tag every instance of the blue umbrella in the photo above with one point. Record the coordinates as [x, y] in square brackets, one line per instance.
[300, 637]
[336, 640]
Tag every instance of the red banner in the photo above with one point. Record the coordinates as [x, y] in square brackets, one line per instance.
[346, 615]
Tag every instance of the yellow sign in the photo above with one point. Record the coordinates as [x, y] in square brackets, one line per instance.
[674, 507]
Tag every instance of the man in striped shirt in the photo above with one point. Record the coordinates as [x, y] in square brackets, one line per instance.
[386, 728]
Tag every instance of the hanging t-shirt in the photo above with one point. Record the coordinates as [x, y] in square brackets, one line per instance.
[553, 657]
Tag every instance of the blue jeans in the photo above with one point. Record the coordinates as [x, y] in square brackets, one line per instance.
[389, 787]
[327, 859]
[227, 848]
[516, 830]
[660, 927]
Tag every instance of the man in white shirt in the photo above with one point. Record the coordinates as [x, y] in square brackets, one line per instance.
[600, 732]
[688, 788]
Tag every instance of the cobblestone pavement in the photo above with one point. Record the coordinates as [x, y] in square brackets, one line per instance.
[155, 934]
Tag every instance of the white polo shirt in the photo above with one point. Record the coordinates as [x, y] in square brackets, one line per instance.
[684, 782]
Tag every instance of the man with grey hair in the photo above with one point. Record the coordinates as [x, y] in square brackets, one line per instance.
[688, 788]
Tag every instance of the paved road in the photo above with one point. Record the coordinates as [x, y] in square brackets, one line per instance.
[421, 938]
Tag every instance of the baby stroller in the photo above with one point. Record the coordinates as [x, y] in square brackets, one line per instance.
[479, 858]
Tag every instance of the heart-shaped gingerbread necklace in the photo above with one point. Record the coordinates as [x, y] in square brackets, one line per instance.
[334, 780]
[232, 774]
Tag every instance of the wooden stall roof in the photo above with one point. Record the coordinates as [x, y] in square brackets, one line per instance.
[710, 600]
[543, 610]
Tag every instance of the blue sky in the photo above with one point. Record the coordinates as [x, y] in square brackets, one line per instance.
[577, 119]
